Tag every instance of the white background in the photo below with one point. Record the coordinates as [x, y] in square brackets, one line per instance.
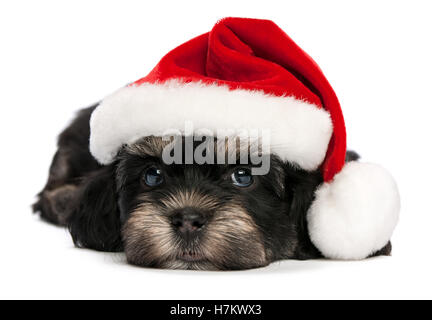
[58, 56]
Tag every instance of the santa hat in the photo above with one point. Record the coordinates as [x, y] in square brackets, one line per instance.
[247, 73]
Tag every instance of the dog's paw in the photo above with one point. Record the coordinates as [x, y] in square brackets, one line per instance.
[56, 205]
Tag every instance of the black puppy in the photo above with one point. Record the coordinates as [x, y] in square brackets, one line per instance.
[207, 217]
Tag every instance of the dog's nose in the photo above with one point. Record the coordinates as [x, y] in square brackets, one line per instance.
[188, 220]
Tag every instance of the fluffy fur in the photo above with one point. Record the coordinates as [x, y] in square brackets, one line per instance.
[109, 208]
[300, 131]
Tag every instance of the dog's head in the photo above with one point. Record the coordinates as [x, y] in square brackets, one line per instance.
[195, 216]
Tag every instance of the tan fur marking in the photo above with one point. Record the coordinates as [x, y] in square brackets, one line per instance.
[151, 146]
[190, 198]
[233, 226]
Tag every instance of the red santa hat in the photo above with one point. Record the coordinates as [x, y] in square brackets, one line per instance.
[248, 74]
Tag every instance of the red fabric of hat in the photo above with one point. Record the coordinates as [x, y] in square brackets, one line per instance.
[248, 74]
[254, 54]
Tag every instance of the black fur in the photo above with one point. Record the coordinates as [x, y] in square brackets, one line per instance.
[97, 202]
[95, 222]
[71, 163]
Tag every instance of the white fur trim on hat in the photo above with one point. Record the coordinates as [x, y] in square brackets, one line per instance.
[300, 131]
[354, 215]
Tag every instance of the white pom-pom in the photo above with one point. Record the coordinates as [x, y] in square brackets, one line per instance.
[354, 215]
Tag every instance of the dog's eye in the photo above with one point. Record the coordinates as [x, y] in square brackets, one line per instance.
[153, 177]
[242, 177]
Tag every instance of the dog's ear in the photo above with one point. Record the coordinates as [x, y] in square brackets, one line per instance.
[351, 156]
[300, 189]
[300, 186]
[95, 224]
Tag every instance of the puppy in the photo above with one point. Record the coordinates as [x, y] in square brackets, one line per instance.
[200, 217]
